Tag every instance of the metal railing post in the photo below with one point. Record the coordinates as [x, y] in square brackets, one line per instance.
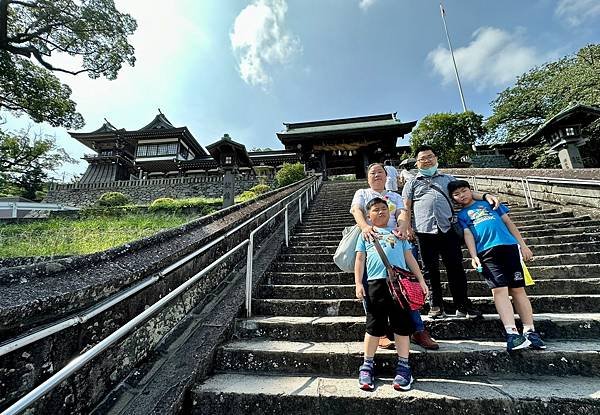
[525, 192]
[249, 277]
[529, 191]
[14, 210]
[300, 209]
[287, 231]
[307, 198]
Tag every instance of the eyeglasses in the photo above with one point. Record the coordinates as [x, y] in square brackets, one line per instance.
[426, 158]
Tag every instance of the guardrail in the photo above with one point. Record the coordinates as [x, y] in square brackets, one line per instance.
[33, 396]
[528, 180]
[14, 207]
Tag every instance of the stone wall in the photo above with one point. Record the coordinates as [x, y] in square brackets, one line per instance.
[143, 192]
[38, 294]
[546, 186]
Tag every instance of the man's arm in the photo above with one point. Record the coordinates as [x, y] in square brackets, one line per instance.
[488, 197]
[512, 228]
[405, 230]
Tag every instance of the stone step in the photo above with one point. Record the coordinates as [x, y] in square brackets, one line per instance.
[335, 237]
[300, 253]
[547, 214]
[475, 288]
[339, 277]
[455, 358]
[587, 303]
[352, 328]
[230, 393]
[539, 260]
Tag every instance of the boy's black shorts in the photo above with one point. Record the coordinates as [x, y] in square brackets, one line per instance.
[381, 307]
[502, 266]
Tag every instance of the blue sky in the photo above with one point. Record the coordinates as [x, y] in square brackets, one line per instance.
[245, 67]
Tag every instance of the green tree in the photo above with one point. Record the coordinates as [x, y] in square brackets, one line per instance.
[545, 91]
[26, 159]
[289, 173]
[451, 135]
[34, 32]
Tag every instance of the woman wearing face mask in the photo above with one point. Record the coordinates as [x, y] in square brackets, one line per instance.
[376, 177]
[432, 215]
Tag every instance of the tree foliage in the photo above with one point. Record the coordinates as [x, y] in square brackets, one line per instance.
[451, 135]
[545, 91]
[25, 160]
[289, 173]
[36, 34]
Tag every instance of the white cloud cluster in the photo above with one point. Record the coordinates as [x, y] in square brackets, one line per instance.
[493, 58]
[575, 12]
[259, 40]
[365, 4]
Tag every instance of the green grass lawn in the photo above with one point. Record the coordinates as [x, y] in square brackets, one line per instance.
[81, 236]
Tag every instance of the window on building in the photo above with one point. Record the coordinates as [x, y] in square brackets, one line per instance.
[153, 150]
[184, 152]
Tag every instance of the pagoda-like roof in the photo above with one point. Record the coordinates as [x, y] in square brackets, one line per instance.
[380, 122]
[578, 114]
[159, 122]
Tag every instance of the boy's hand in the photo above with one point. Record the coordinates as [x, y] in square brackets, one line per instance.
[475, 263]
[360, 291]
[526, 252]
[425, 288]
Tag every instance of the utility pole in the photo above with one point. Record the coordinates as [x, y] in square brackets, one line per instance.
[460, 91]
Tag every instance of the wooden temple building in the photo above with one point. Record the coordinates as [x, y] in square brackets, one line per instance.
[159, 149]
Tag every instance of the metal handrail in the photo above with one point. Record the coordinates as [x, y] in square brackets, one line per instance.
[21, 341]
[81, 360]
[250, 257]
[525, 183]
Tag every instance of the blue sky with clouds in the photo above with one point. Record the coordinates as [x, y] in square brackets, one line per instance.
[245, 67]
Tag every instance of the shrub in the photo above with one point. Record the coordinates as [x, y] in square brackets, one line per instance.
[260, 189]
[245, 196]
[164, 203]
[113, 199]
[289, 173]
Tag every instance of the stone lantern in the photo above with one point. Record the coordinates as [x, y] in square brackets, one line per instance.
[230, 157]
[563, 133]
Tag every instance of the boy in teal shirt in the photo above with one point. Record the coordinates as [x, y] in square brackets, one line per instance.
[494, 243]
[380, 306]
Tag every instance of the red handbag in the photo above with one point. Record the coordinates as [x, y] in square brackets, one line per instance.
[403, 285]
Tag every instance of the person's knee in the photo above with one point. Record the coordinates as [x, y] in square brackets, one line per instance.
[500, 293]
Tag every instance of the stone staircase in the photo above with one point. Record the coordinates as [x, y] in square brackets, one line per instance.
[301, 351]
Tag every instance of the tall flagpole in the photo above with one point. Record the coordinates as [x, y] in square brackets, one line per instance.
[462, 97]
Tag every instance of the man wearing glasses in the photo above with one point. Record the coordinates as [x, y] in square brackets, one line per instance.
[433, 229]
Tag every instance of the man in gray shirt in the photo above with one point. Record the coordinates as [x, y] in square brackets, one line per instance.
[432, 226]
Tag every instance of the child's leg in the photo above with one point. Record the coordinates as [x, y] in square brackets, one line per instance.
[402, 345]
[370, 347]
[523, 306]
[504, 306]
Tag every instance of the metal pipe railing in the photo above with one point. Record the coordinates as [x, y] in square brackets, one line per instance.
[81, 360]
[21, 341]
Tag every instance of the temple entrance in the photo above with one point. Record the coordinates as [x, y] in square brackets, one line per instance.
[345, 146]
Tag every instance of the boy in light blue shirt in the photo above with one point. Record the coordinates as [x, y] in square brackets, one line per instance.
[496, 246]
[380, 306]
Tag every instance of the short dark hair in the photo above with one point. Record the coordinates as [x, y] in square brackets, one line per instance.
[375, 201]
[387, 163]
[457, 184]
[424, 147]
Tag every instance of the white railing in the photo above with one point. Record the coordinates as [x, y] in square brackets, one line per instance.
[14, 207]
[526, 181]
[76, 364]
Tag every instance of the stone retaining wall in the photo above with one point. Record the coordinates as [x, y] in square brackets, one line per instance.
[41, 293]
[143, 192]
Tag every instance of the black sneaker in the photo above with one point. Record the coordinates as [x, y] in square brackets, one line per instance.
[536, 341]
[468, 312]
[516, 342]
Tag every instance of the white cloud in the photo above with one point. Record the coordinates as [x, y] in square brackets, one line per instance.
[576, 12]
[365, 4]
[493, 58]
[259, 40]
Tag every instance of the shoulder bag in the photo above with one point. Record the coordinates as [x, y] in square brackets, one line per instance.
[345, 254]
[403, 285]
